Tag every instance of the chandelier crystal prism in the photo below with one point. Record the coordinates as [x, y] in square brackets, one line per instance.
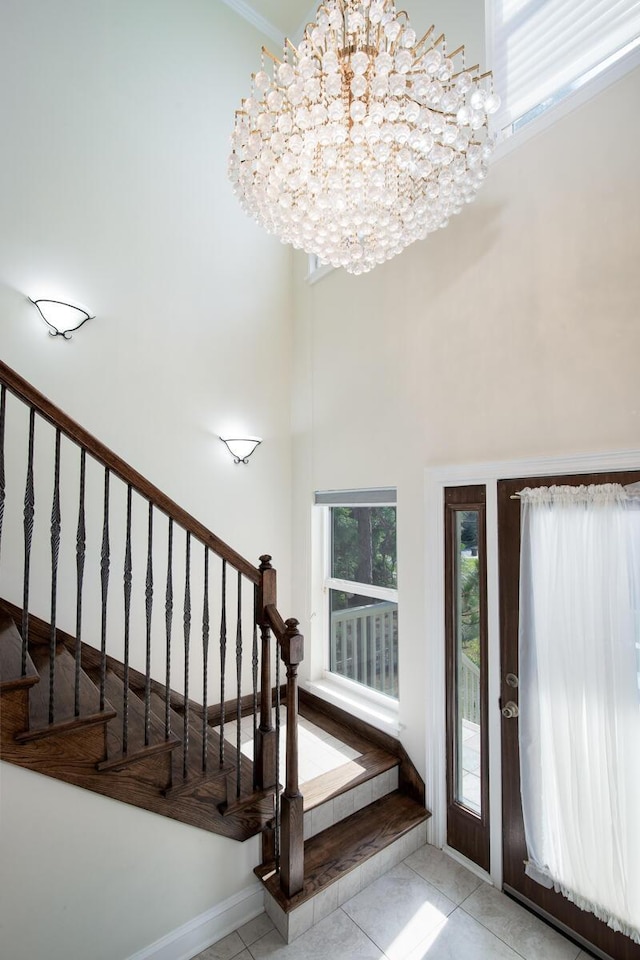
[362, 139]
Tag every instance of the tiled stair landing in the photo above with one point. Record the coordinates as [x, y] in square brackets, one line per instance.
[357, 823]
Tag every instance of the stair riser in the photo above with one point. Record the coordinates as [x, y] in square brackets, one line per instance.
[327, 814]
[14, 713]
[293, 924]
[54, 755]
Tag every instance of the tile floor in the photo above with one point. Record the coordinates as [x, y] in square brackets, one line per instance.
[426, 908]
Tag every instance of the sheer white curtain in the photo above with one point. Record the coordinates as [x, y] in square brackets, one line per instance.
[579, 723]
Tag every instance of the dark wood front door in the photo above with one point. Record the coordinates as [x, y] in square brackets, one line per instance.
[584, 925]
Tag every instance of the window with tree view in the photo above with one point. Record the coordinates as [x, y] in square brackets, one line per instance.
[362, 589]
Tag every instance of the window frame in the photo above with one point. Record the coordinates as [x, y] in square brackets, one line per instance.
[569, 98]
[325, 502]
[316, 270]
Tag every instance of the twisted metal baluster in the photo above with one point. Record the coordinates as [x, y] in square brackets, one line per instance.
[148, 613]
[277, 793]
[3, 403]
[223, 656]
[239, 685]
[187, 639]
[205, 662]
[104, 583]
[128, 579]
[29, 512]
[81, 542]
[254, 670]
[55, 553]
[168, 619]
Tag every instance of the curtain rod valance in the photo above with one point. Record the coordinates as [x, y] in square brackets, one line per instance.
[380, 496]
[583, 493]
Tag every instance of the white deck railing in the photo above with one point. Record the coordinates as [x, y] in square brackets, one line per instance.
[364, 645]
[469, 689]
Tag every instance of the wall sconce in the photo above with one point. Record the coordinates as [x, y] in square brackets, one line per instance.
[241, 448]
[63, 319]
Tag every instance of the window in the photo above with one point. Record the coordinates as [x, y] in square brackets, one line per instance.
[317, 270]
[546, 50]
[361, 588]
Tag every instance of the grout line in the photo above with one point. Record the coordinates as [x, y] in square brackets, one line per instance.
[363, 932]
[493, 933]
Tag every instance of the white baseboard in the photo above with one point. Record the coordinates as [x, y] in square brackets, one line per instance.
[191, 938]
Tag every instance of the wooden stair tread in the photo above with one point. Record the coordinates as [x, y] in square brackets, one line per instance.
[11, 657]
[176, 720]
[70, 725]
[343, 732]
[65, 671]
[249, 799]
[122, 760]
[346, 777]
[196, 778]
[114, 691]
[364, 737]
[341, 848]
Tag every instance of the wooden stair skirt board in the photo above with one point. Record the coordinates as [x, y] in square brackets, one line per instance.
[344, 859]
[87, 751]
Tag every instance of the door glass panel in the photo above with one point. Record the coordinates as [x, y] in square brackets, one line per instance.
[466, 673]
[467, 654]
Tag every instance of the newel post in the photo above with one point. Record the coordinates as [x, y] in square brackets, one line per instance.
[265, 747]
[292, 842]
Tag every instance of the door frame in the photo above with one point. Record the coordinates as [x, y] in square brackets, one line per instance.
[436, 479]
[467, 830]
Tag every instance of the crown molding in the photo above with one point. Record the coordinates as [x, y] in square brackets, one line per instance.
[261, 23]
[308, 19]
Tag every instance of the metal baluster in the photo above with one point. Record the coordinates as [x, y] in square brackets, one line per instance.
[128, 579]
[277, 793]
[168, 617]
[3, 403]
[223, 656]
[205, 662]
[254, 671]
[55, 553]
[81, 542]
[239, 686]
[29, 511]
[104, 583]
[187, 638]
[148, 613]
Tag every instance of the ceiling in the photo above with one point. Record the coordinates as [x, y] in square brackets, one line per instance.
[288, 18]
[277, 18]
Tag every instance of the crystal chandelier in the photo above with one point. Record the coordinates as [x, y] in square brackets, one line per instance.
[363, 138]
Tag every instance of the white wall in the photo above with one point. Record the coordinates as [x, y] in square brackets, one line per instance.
[512, 333]
[115, 120]
[85, 876]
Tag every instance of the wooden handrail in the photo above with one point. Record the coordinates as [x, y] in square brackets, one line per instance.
[275, 621]
[71, 429]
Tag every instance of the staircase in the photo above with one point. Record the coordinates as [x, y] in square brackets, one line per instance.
[118, 702]
[88, 750]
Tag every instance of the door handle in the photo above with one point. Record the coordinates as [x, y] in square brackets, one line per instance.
[510, 710]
